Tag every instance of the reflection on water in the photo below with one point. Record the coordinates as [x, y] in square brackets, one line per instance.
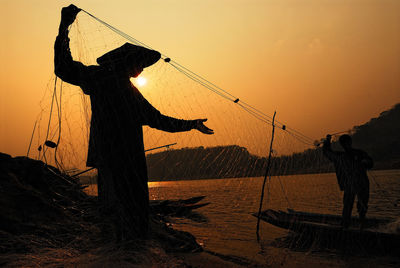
[231, 228]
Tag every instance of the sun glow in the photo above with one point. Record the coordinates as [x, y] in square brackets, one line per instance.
[140, 81]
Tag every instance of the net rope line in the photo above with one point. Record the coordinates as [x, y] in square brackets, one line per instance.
[211, 86]
[49, 122]
[59, 113]
[385, 193]
[58, 129]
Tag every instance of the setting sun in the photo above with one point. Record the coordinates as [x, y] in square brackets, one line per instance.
[141, 81]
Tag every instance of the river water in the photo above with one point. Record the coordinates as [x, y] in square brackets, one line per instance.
[228, 228]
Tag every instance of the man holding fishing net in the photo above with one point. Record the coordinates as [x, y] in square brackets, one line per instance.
[351, 172]
[119, 111]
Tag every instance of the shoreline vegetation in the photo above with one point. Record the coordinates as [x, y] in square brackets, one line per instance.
[380, 138]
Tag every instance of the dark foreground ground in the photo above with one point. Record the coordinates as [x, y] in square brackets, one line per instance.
[46, 219]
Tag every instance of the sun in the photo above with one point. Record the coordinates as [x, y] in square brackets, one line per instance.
[141, 81]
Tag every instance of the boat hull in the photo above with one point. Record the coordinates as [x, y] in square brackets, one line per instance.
[327, 230]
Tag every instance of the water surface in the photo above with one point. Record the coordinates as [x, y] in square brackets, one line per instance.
[230, 228]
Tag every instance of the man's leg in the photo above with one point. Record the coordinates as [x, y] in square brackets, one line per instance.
[348, 201]
[108, 203]
[105, 188]
[362, 202]
[132, 201]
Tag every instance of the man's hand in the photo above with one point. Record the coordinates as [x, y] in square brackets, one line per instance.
[202, 128]
[327, 141]
[328, 137]
[68, 14]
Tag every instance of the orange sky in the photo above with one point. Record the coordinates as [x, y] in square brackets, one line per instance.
[323, 65]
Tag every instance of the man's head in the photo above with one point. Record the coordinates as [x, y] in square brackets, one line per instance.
[129, 59]
[132, 66]
[345, 141]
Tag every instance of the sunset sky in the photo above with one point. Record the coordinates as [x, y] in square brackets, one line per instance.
[324, 66]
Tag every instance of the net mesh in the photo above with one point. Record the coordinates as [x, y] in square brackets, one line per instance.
[238, 148]
[238, 129]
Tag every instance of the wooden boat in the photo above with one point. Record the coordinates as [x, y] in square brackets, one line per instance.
[179, 207]
[327, 229]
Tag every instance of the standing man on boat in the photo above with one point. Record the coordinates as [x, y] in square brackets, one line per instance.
[119, 111]
[351, 172]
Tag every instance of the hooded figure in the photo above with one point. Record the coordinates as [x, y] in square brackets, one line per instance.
[119, 111]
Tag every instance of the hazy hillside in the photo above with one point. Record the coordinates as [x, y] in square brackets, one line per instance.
[380, 137]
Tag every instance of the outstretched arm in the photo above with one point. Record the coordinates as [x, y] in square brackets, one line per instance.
[65, 67]
[327, 149]
[153, 118]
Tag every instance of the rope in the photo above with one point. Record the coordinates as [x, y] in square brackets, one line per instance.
[121, 33]
[384, 192]
[30, 143]
[284, 192]
[51, 112]
[59, 112]
[200, 82]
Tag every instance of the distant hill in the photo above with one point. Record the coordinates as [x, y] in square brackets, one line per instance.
[380, 137]
[201, 163]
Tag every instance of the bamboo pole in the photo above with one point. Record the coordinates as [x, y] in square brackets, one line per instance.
[266, 176]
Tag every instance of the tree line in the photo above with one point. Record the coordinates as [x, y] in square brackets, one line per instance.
[380, 138]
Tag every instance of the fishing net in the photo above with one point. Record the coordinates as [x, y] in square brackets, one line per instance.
[175, 91]
[238, 151]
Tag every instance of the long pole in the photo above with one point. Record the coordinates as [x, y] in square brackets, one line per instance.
[266, 176]
[151, 149]
[30, 143]
[167, 146]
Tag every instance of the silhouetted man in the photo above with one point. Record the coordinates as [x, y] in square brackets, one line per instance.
[351, 172]
[118, 113]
